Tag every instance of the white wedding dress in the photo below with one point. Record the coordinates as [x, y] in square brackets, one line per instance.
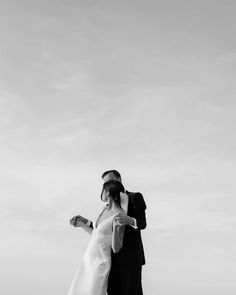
[91, 277]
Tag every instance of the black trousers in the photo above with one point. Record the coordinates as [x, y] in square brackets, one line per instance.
[125, 280]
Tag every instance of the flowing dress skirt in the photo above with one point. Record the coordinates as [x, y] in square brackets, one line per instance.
[91, 277]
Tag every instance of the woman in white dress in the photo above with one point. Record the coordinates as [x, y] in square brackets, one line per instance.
[91, 277]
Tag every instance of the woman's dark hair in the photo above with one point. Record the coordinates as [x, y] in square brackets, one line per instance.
[114, 188]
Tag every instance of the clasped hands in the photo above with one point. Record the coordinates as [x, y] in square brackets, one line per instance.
[123, 219]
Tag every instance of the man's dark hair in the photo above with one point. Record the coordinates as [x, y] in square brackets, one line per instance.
[115, 172]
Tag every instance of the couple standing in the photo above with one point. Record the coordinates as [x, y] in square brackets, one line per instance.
[112, 262]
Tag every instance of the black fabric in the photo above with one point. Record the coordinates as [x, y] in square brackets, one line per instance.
[132, 252]
[125, 281]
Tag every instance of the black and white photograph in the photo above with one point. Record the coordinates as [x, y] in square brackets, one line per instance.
[117, 147]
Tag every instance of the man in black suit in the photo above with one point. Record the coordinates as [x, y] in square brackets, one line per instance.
[125, 277]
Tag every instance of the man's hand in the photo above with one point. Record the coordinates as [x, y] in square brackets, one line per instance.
[78, 221]
[123, 219]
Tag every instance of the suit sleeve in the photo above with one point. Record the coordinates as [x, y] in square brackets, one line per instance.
[139, 208]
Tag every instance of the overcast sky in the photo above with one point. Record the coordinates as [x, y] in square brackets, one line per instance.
[144, 87]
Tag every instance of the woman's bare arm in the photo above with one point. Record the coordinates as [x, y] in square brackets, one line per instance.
[87, 228]
[117, 237]
[80, 221]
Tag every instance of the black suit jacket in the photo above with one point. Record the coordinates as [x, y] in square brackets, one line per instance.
[132, 252]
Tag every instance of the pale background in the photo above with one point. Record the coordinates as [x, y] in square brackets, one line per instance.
[145, 87]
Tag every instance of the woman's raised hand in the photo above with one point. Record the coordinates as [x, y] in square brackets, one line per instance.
[78, 221]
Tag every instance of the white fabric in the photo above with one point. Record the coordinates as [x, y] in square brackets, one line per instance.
[124, 202]
[92, 276]
[135, 226]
